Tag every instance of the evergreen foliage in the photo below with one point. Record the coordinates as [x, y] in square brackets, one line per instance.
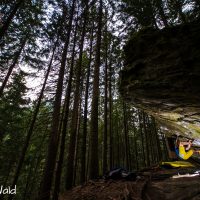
[62, 119]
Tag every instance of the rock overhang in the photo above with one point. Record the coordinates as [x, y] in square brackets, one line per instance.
[162, 76]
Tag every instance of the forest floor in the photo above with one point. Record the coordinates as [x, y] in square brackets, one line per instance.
[151, 184]
[105, 190]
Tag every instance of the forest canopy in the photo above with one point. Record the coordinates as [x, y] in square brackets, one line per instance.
[62, 118]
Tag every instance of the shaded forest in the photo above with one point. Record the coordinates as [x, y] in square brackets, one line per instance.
[63, 120]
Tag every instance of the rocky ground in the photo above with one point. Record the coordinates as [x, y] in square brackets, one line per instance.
[151, 184]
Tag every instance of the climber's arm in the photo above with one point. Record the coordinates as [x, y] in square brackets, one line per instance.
[188, 144]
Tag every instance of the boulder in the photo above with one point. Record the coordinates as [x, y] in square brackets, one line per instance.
[162, 76]
[183, 188]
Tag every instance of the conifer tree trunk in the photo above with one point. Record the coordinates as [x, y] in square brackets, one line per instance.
[87, 162]
[32, 124]
[8, 21]
[84, 137]
[129, 149]
[105, 144]
[77, 153]
[165, 151]
[126, 135]
[159, 151]
[73, 128]
[152, 144]
[141, 133]
[150, 140]
[135, 147]
[45, 187]
[117, 145]
[94, 160]
[65, 121]
[15, 60]
[146, 138]
[110, 114]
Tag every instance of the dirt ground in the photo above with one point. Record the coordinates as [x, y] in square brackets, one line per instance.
[149, 185]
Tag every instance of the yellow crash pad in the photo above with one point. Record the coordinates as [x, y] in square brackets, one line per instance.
[178, 164]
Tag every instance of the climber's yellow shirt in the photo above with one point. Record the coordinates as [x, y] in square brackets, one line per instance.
[183, 154]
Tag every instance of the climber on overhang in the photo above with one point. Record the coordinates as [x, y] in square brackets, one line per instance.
[183, 149]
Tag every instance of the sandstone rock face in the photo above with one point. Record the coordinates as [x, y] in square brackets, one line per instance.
[162, 76]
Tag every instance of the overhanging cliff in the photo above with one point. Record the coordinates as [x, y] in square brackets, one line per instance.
[162, 76]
